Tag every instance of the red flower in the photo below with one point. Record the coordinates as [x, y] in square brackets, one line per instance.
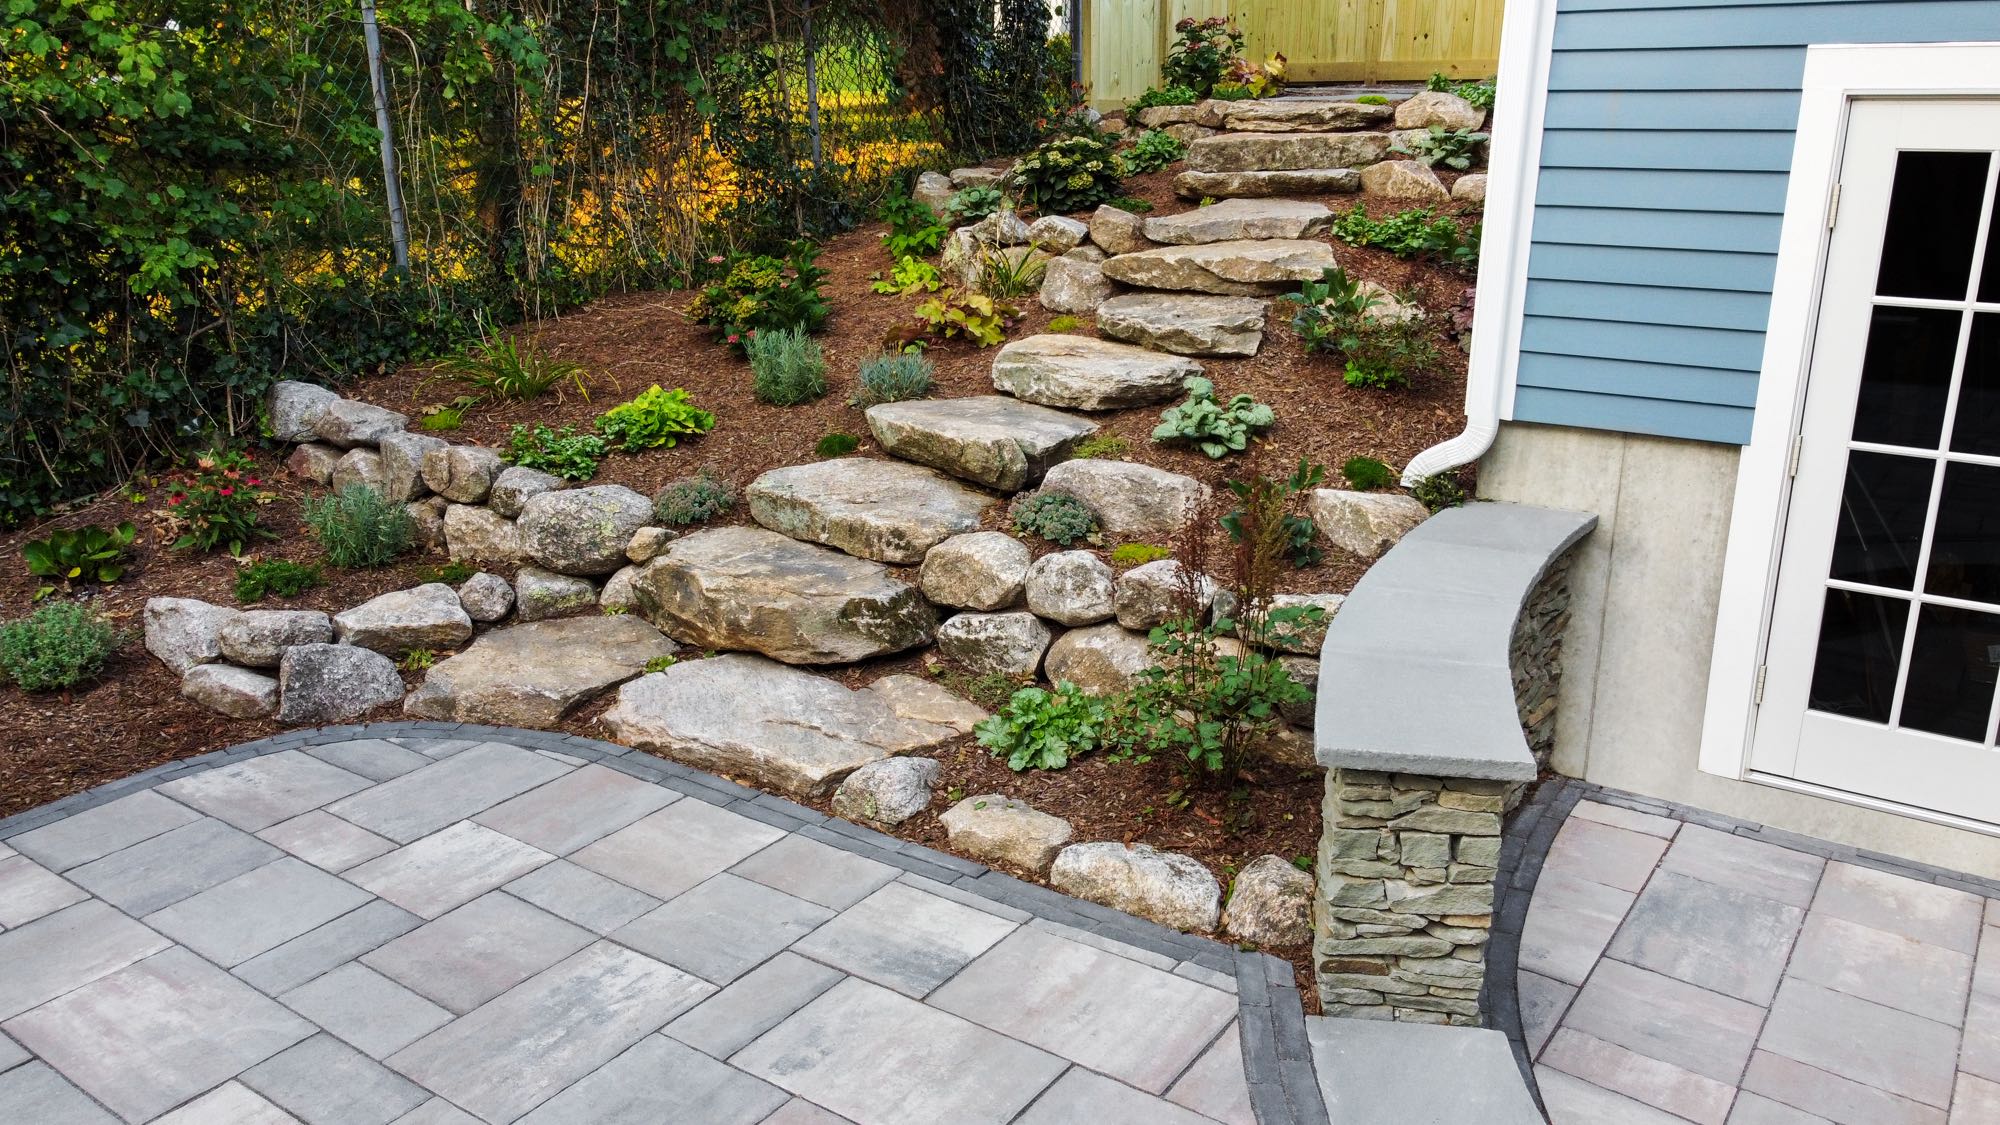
[227, 492]
[254, 480]
[175, 501]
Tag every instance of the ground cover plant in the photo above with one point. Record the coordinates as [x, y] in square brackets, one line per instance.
[1216, 428]
[907, 276]
[1408, 234]
[971, 204]
[1453, 148]
[1366, 474]
[80, 555]
[1163, 95]
[836, 445]
[1058, 517]
[952, 315]
[914, 230]
[1478, 94]
[275, 578]
[761, 293]
[564, 452]
[1044, 729]
[59, 645]
[1378, 347]
[894, 377]
[655, 419]
[1153, 151]
[695, 499]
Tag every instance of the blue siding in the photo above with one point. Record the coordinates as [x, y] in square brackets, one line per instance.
[1667, 142]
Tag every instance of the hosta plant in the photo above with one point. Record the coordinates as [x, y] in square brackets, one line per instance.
[1042, 729]
[1153, 151]
[1216, 428]
[83, 554]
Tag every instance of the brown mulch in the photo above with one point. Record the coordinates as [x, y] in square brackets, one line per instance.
[133, 718]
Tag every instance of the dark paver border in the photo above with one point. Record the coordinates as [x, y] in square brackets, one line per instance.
[1277, 1058]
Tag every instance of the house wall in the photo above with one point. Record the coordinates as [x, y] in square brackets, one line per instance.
[1667, 136]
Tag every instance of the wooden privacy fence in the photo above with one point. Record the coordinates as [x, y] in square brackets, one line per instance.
[1325, 40]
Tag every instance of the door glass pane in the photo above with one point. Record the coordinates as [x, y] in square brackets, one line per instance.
[1977, 427]
[1951, 672]
[1965, 548]
[1989, 275]
[1906, 375]
[1933, 217]
[1882, 519]
[1860, 647]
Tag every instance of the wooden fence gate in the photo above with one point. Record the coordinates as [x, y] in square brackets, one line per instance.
[1324, 40]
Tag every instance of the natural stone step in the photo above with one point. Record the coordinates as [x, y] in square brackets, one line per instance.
[988, 439]
[1186, 323]
[1234, 219]
[1084, 373]
[532, 675]
[1242, 268]
[1283, 152]
[748, 588]
[1232, 185]
[888, 511]
[1302, 115]
[780, 726]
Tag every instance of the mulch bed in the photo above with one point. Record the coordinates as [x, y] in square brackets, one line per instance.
[55, 744]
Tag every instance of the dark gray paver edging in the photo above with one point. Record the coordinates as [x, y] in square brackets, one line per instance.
[1277, 1057]
[1430, 629]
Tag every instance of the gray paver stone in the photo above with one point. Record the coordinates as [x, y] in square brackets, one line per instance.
[453, 866]
[255, 794]
[659, 1080]
[171, 866]
[366, 1009]
[478, 951]
[257, 911]
[325, 1082]
[905, 939]
[753, 1004]
[723, 928]
[94, 833]
[586, 898]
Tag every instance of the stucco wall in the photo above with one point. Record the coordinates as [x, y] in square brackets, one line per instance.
[1644, 594]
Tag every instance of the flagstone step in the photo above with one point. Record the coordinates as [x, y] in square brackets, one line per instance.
[1189, 324]
[1235, 219]
[888, 511]
[1248, 267]
[1084, 373]
[993, 440]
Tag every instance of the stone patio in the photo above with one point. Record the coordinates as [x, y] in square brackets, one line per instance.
[426, 925]
[1673, 970]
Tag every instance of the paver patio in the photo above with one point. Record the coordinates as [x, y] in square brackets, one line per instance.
[1672, 972]
[423, 930]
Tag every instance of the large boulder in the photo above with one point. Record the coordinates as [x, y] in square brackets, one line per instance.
[781, 726]
[236, 692]
[583, 530]
[516, 485]
[1285, 152]
[889, 511]
[258, 638]
[184, 632]
[1364, 524]
[532, 675]
[314, 461]
[748, 588]
[985, 570]
[1185, 323]
[988, 439]
[542, 594]
[1084, 373]
[1470, 188]
[1233, 219]
[1168, 887]
[486, 597]
[999, 828]
[933, 190]
[294, 409]
[1247, 268]
[888, 792]
[1261, 185]
[1404, 179]
[977, 176]
[1301, 115]
[1118, 231]
[1057, 234]
[1131, 500]
[1158, 592]
[403, 463]
[361, 467]
[1074, 285]
[1270, 903]
[481, 535]
[426, 617]
[1070, 588]
[1006, 644]
[462, 474]
[1101, 660]
[1438, 107]
[320, 684]
[347, 423]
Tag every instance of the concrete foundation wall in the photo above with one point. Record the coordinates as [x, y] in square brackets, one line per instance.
[1644, 593]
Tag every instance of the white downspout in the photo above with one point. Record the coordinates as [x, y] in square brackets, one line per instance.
[1527, 36]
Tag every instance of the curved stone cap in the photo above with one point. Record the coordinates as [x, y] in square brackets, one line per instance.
[1423, 646]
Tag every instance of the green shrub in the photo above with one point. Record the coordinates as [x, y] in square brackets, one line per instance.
[1478, 94]
[1153, 151]
[1201, 53]
[653, 419]
[1206, 704]
[564, 453]
[1438, 492]
[280, 578]
[909, 275]
[1044, 730]
[1417, 232]
[1067, 174]
[214, 504]
[1100, 445]
[836, 445]
[499, 367]
[60, 645]
[1372, 99]
[1011, 271]
[1139, 554]
[1453, 148]
[764, 294]
[1055, 516]
[1366, 474]
[84, 554]
[914, 229]
[894, 377]
[980, 319]
[969, 205]
[787, 367]
[359, 527]
[1216, 428]
[1339, 317]
[693, 500]
[1277, 499]
[1064, 323]
[1163, 95]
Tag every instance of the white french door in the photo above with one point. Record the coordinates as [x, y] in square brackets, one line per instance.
[1885, 632]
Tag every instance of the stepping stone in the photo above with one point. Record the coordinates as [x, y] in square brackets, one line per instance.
[1302, 115]
[1242, 268]
[749, 588]
[422, 617]
[1083, 373]
[989, 439]
[1299, 181]
[889, 511]
[779, 726]
[532, 675]
[1233, 219]
[1285, 152]
[1185, 323]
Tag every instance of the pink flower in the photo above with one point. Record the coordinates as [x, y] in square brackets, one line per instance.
[734, 338]
[227, 492]
[715, 260]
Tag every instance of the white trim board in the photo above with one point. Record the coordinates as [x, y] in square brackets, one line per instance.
[1834, 76]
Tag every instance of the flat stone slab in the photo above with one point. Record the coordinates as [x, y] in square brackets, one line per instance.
[1239, 268]
[1260, 185]
[1376, 1070]
[992, 440]
[1083, 373]
[1302, 115]
[888, 511]
[532, 675]
[747, 588]
[1284, 152]
[1186, 323]
[783, 727]
[1233, 219]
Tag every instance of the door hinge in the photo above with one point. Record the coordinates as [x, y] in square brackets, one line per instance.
[1833, 206]
[1761, 669]
[1798, 447]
